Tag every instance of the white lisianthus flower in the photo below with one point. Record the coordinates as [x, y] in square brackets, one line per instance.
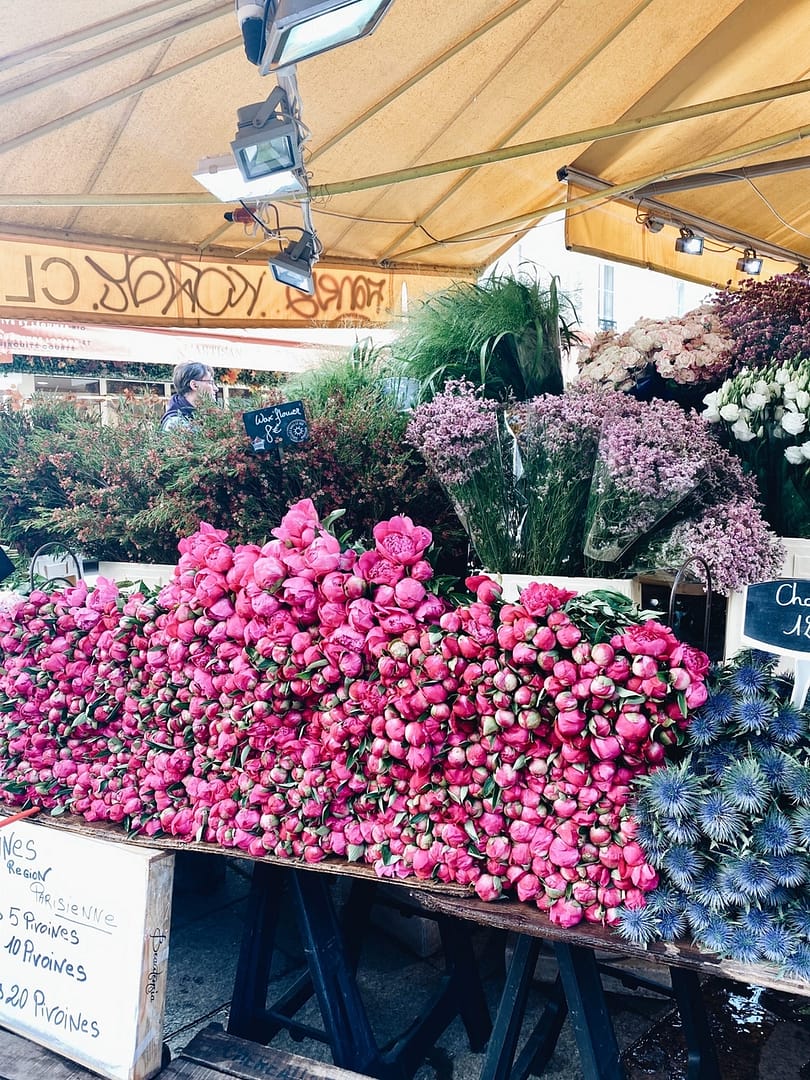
[756, 401]
[805, 449]
[794, 455]
[742, 431]
[803, 400]
[782, 377]
[762, 387]
[730, 412]
[790, 390]
[794, 423]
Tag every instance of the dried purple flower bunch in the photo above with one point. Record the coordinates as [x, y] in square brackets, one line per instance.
[768, 320]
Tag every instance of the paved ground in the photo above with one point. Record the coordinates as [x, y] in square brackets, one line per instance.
[760, 1035]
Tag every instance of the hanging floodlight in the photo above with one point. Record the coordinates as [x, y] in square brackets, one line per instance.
[749, 263]
[293, 266]
[267, 137]
[689, 244]
[298, 29]
[222, 178]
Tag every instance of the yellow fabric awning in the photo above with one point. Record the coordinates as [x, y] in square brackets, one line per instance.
[106, 111]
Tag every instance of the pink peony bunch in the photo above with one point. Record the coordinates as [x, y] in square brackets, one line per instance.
[304, 700]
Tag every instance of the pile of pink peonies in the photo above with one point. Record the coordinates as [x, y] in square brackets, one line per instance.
[304, 700]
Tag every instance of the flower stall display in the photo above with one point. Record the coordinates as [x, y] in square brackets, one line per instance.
[305, 699]
[593, 482]
[762, 414]
[728, 826]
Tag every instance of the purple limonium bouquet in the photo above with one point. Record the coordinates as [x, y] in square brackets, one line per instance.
[460, 434]
[647, 463]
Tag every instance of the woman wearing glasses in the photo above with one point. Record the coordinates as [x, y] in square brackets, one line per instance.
[190, 383]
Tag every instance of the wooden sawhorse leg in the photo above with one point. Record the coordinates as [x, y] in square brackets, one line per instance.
[702, 1055]
[332, 952]
[593, 1030]
[500, 1063]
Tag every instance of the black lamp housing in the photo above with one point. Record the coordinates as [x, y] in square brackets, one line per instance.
[293, 266]
[689, 244]
[267, 138]
[750, 263]
[298, 29]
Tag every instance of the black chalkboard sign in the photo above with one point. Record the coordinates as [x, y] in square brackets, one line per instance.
[277, 426]
[777, 616]
[6, 566]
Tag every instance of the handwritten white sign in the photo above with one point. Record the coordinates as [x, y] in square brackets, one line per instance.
[84, 943]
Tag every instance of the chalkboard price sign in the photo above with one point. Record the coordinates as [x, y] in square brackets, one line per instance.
[84, 943]
[276, 426]
[777, 617]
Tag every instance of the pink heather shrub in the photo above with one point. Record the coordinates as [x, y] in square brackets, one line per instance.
[301, 700]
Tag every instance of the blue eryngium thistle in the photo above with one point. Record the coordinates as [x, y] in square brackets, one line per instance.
[672, 791]
[798, 918]
[774, 834]
[776, 942]
[719, 707]
[776, 766]
[671, 925]
[718, 818]
[789, 870]
[757, 919]
[753, 715]
[680, 830]
[800, 820]
[713, 889]
[718, 757]
[715, 935]
[797, 965]
[698, 915]
[638, 925]
[751, 676]
[744, 945]
[653, 842]
[788, 726]
[705, 727]
[665, 900]
[752, 876]
[683, 864]
[746, 786]
[797, 784]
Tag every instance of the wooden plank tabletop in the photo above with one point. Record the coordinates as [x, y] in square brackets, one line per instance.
[460, 901]
[526, 919]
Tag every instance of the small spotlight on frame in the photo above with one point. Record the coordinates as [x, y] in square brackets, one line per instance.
[267, 138]
[652, 224]
[293, 266]
[689, 244]
[750, 263]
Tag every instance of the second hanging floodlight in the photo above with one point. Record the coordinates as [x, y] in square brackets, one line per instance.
[750, 263]
[688, 243]
[298, 29]
[293, 266]
[267, 137]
